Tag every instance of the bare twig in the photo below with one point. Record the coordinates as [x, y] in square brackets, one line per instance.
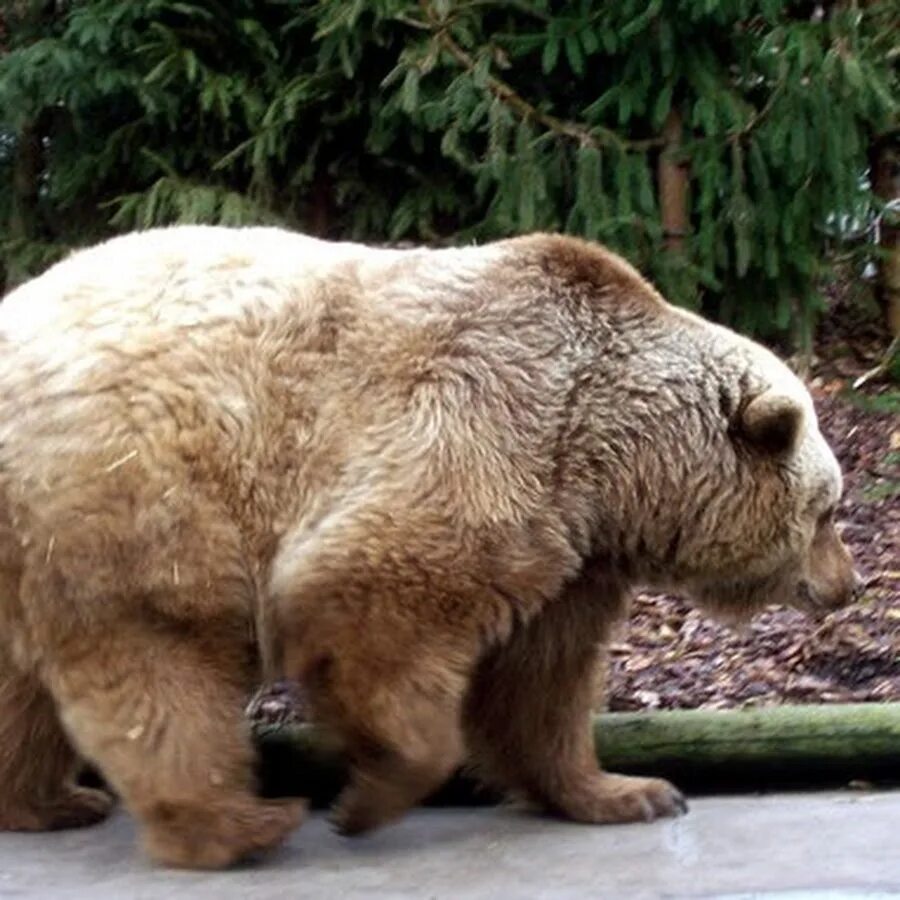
[882, 367]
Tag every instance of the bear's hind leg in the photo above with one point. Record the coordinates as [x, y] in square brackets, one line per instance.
[37, 762]
[158, 707]
[528, 717]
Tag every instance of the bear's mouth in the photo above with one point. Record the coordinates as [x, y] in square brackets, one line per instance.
[818, 603]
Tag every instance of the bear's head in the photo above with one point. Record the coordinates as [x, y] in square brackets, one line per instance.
[767, 533]
[713, 476]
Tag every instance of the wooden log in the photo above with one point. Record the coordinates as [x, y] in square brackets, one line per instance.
[753, 747]
[699, 749]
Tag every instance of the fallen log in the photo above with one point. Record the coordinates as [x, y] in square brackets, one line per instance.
[698, 749]
[799, 744]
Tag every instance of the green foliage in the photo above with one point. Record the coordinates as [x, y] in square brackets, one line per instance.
[887, 403]
[454, 120]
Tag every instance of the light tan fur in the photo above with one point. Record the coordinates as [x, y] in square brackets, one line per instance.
[420, 482]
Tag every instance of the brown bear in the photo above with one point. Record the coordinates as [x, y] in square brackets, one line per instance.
[420, 482]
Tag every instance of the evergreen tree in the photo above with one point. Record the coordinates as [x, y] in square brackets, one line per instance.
[719, 144]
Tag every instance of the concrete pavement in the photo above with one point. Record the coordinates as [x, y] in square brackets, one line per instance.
[821, 846]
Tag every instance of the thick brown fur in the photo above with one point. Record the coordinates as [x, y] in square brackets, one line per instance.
[421, 483]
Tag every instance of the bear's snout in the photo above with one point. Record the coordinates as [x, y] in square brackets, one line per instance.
[832, 579]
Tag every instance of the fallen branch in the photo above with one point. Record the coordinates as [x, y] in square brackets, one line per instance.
[883, 367]
[800, 745]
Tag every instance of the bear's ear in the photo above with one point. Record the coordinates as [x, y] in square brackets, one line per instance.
[772, 422]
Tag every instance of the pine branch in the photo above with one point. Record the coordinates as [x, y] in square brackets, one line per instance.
[505, 93]
[757, 118]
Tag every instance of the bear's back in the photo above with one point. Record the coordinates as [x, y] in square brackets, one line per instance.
[171, 277]
[240, 338]
[120, 317]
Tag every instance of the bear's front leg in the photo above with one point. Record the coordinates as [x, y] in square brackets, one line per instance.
[603, 798]
[394, 697]
[386, 655]
[528, 715]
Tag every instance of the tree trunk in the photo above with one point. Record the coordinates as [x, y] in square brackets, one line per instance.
[672, 178]
[320, 216]
[885, 173]
[699, 749]
[23, 216]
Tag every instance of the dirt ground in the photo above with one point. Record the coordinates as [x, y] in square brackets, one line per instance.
[669, 656]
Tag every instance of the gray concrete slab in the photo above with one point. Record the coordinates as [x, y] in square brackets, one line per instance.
[798, 846]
